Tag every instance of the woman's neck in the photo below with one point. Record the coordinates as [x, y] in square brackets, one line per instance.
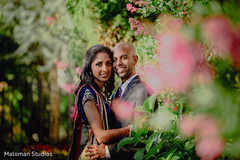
[100, 84]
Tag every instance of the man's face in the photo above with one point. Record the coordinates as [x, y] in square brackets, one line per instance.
[123, 64]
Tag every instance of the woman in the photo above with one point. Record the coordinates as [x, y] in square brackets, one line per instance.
[92, 105]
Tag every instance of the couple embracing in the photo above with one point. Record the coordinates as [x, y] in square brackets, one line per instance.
[93, 108]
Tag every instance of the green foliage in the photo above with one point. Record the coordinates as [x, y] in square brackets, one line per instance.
[161, 142]
[104, 22]
[217, 98]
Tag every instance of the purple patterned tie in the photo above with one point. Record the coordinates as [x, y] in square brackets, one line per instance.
[119, 92]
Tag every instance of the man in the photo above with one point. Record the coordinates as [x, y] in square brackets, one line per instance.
[132, 90]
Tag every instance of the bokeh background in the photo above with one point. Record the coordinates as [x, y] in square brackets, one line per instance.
[189, 53]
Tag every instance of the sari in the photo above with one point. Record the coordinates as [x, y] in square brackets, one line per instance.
[87, 92]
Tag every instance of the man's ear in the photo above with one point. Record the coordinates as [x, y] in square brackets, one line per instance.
[135, 58]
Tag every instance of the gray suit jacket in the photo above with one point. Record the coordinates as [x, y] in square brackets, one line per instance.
[135, 93]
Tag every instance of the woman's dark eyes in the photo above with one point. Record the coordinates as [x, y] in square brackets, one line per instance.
[109, 63]
[99, 64]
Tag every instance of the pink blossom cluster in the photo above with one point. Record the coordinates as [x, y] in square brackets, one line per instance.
[60, 64]
[168, 103]
[135, 24]
[69, 88]
[176, 63]
[140, 3]
[221, 34]
[179, 62]
[50, 20]
[131, 8]
[78, 70]
[209, 144]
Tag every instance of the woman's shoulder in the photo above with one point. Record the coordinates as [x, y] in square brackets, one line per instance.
[87, 88]
[87, 92]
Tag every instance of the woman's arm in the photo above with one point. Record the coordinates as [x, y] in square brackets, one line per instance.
[96, 124]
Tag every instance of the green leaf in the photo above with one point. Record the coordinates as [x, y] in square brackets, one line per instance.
[190, 3]
[140, 109]
[125, 141]
[150, 140]
[139, 154]
[140, 132]
[169, 154]
[154, 150]
[175, 157]
[149, 103]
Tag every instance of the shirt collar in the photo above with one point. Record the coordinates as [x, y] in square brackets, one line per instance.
[124, 85]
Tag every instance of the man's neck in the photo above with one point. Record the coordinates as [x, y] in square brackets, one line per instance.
[128, 77]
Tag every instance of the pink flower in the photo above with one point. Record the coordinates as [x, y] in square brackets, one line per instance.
[50, 20]
[69, 88]
[122, 109]
[187, 126]
[164, 99]
[167, 102]
[207, 127]
[130, 19]
[60, 64]
[78, 71]
[218, 30]
[235, 47]
[72, 113]
[176, 61]
[135, 24]
[175, 108]
[209, 148]
[141, 3]
[153, 77]
[204, 74]
[209, 142]
[131, 8]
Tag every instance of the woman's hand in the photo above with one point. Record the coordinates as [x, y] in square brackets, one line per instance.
[96, 151]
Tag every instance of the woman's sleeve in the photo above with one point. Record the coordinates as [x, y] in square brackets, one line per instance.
[86, 93]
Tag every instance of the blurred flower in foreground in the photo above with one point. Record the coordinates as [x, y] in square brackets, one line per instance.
[50, 20]
[60, 64]
[176, 61]
[69, 88]
[78, 71]
[122, 109]
[169, 23]
[72, 112]
[209, 148]
[223, 37]
[161, 119]
[153, 77]
[219, 33]
[235, 50]
[209, 144]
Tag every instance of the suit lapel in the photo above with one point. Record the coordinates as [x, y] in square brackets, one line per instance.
[129, 89]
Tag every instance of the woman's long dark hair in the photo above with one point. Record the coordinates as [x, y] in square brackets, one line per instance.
[87, 76]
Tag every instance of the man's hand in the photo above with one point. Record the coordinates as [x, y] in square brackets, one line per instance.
[96, 151]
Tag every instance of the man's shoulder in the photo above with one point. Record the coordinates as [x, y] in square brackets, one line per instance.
[143, 87]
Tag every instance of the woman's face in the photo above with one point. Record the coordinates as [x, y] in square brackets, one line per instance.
[101, 68]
